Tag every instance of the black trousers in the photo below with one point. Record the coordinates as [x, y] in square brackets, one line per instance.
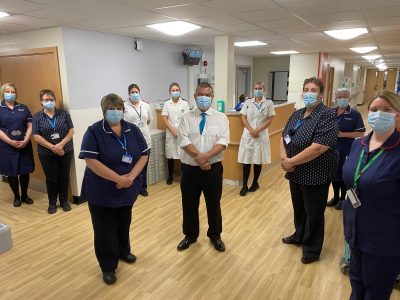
[111, 234]
[195, 181]
[56, 169]
[371, 276]
[309, 203]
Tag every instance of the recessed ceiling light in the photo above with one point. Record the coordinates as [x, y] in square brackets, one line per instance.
[174, 28]
[371, 57]
[3, 14]
[284, 52]
[363, 49]
[250, 44]
[382, 67]
[346, 34]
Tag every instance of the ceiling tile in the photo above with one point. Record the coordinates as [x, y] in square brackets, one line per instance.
[318, 7]
[230, 6]
[61, 15]
[19, 6]
[98, 7]
[263, 15]
[365, 4]
[151, 4]
[236, 27]
[286, 22]
[188, 11]
[29, 21]
[6, 28]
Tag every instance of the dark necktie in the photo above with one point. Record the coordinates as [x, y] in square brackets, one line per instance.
[202, 122]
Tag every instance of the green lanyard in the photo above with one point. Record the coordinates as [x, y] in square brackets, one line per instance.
[358, 173]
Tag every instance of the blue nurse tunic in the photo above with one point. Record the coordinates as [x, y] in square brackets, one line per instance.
[349, 121]
[374, 227]
[99, 142]
[13, 122]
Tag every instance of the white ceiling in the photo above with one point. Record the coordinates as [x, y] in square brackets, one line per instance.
[283, 24]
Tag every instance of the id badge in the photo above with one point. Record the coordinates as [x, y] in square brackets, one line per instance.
[287, 139]
[126, 158]
[140, 124]
[55, 136]
[352, 195]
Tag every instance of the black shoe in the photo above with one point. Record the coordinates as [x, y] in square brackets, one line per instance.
[17, 202]
[308, 260]
[290, 240]
[130, 259]
[144, 193]
[27, 200]
[332, 202]
[339, 205]
[254, 187]
[52, 209]
[243, 191]
[169, 180]
[185, 243]
[218, 244]
[109, 277]
[65, 206]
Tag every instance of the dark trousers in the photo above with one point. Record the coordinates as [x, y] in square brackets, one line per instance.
[372, 277]
[111, 234]
[339, 186]
[309, 202]
[56, 169]
[194, 181]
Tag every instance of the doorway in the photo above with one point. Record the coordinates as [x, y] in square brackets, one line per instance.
[329, 86]
[242, 81]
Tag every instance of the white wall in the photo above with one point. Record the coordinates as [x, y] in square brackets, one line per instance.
[302, 66]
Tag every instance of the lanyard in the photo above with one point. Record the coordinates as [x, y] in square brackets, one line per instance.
[53, 123]
[358, 173]
[258, 105]
[139, 114]
[297, 126]
[123, 144]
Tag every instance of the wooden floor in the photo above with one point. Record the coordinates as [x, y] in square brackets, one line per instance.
[53, 256]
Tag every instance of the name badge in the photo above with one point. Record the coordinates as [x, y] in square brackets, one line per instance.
[352, 195]
[126, 158]
[287, 139]
[55, 136]
[140, 124]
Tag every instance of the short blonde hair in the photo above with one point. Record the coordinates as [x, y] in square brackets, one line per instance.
[7, 85]
[392, 98]
[260, 83]
[111, 100]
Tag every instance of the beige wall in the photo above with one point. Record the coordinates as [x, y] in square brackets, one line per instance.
[263, 65]
[302, 66]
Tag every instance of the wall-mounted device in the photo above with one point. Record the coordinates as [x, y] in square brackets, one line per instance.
[138, 45]
[192, 57]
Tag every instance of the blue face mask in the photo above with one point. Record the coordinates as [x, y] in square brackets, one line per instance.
[134, 97]
[114, 116]
[381, 121]
[10, 97]
[203, 102]
[310, 99]
[49, 104]
[175, 94]
[342, 102]
[258, 93]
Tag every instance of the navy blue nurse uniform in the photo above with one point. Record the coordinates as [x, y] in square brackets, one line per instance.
[99, 142]
[373, 229]
[111, 208]
[350, 121]
[13, 122]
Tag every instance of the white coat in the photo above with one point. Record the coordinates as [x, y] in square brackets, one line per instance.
[174, 112]
[256, 150]
[139, 116]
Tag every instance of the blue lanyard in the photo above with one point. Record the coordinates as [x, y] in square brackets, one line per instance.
[298, 124]
[53, 123]
[123, 144]
[258, 105]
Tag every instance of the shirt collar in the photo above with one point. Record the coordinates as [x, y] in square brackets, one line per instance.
[56, 112]
[3, 104]
[172, 101]
[392, 142]
[315, 111]
[198, 112]
[263, 99]
[107, 129]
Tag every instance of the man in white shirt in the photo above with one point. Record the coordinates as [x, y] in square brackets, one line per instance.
[203, 136]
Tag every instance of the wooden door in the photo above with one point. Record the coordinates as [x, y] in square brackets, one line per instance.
[329, 86]
[380, 82]
[371, 87]
[390, 82]
[32, 71]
